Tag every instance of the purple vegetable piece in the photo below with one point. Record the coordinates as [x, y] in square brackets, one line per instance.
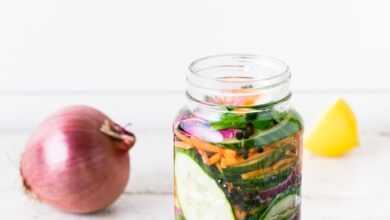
[279, 188]
[200, 129]
[228, 133]
[209, 115]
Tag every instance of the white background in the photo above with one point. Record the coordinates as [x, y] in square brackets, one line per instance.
[85, 45]
[129, 59]
[54, 53]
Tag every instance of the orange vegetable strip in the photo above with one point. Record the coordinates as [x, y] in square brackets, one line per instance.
[277, 166]
[283, 162]
[256, 173]
[183, 145]
[214, 159]
[229, 153]
[229, 157]
[253, 152]
[196, 142]
[204, 156]
[240, 214]
[254, 156]
[182, 137]
[222, 163]
[219, 166]
[230, 161]
[205, 146]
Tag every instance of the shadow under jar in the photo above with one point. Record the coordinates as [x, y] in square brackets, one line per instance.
[237, 142]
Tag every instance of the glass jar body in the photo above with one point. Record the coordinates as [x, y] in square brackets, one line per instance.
[238, 162]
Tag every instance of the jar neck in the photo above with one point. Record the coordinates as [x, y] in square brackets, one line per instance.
[239, 81]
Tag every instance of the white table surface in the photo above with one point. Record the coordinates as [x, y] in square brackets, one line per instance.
[354, 187]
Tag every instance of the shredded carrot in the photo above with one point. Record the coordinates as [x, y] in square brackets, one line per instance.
[214, 159]
[240, 214]
[229, 157]
[204, 156]
[282, 164]
[253, 152]
[218, 165]
[222, 164]
[183, 145]
[256, 173]
[196, 142]
[182, 137]
[239, 160]
[229, 153]
[209, 160]
[230, 161]
[287, 140]
[205, 146]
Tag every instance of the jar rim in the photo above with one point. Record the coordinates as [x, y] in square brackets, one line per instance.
[238, 79]
[258, 71]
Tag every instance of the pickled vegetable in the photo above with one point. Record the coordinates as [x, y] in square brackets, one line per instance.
[197, 191]
[242, 165]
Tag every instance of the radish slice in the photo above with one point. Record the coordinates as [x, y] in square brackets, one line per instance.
[201, 129]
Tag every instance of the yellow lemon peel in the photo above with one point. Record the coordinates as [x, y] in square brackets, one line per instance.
[336, 133]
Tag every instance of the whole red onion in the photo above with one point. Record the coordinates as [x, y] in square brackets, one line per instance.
[77, 160]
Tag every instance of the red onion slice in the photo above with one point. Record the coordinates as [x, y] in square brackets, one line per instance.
[209, 115]
[228, 133]
[200, 129]
[269, 193]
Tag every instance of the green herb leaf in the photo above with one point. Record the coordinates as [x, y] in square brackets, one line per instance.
[229, 120]
[263, 120]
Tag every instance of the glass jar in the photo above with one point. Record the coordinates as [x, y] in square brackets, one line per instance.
[237, 142]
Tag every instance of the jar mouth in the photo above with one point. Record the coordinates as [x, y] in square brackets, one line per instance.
[238, 79]
[235, 71]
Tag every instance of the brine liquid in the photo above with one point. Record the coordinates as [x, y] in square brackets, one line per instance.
[259, 172]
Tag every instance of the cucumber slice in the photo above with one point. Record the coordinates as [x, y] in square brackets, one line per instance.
[199, 195]
[265, 182]
[289, 126]
[284, 206]
[261, 162]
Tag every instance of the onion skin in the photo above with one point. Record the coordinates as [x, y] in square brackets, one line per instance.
[70, 164]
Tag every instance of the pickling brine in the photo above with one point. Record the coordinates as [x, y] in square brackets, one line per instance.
[237, 142]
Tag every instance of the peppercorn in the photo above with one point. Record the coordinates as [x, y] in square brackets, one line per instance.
[249, 130]
[245, 153]
[260, 150]
[239, 135]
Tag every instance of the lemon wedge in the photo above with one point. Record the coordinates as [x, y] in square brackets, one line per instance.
[336, 133]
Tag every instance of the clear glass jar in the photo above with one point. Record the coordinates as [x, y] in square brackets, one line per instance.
[237, 142]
